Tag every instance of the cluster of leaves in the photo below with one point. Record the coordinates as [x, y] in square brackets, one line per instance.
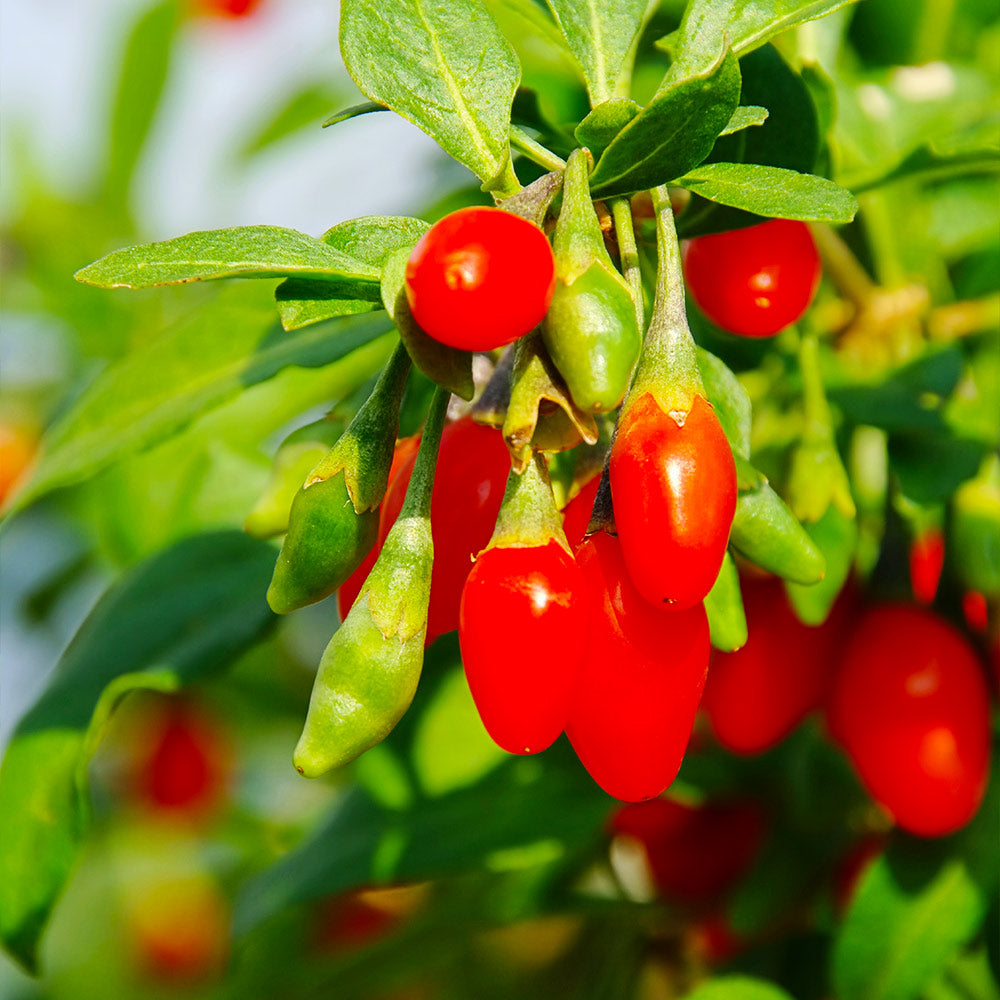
[717, 101]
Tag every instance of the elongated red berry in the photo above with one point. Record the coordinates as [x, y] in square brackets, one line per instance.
[673, 482]
[522, 630]
[640, 681]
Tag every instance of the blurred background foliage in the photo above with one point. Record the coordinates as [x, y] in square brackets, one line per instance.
[437, 866]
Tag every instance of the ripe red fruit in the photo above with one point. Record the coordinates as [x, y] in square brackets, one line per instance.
[228, 8]
[695, 853]
[755, 281]
[910, 706]
[469, 482]
[640, 680]
[405, 449]
[926, 562]
[674, 492]
[576, 514]
[480, 278]
[758, 694]
[181, 762]
[522, 630]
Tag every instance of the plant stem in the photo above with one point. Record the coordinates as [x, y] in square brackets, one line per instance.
[842, 266]
[621, 211]
[418, 494]
[535, 151]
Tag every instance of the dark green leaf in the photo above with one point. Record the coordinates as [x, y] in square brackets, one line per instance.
[188, 610]
[354, 111]
[529, 802]
[601, 35]
[672, 134]
[744, 117]
[444, 67]
[242, 252]
[748, 24]
[929, 164]
[772, 191]
[196, 365]
[446, 365]
[932, 464]
[140, 86]
[910, 398]
[302, 302]
[597, 130]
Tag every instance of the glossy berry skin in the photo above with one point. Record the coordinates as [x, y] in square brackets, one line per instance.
[640, 682]
[469, 482]
[755, 281]
[522, 630]
[758, 694]
[910, 706]
[695, 853]
[674, 492]
[577, 513]
[480, 278]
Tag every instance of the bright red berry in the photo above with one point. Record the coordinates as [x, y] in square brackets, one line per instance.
[757, 695]
[695, 853]
[469, 481]
[480, 278]
[674, 491]
[926, 563]
[577, 513]
[640, 682]
[910, 706]
[754, 281]
[228, 8]
[522, 629]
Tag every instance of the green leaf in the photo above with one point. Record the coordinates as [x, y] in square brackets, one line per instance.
[145, 66]
[747, 23]
[772, 192]
[443, 66]
[672, 134]
[745, 116]
[730, 400]
[597, 130]
[790, 137]
[738, 988]
[242, 252]
[448, 366]
[601, 36]
[932, 464]
[304, 108]
[199, 363]
[188, 610]
[915, 907]
[529, 802]
[927, 163]
[354, 111]
[370, 239]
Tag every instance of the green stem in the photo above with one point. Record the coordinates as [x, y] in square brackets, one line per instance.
[535, 151]
[418, 494]
[668, 367]
[818, 426]
[621, 212]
